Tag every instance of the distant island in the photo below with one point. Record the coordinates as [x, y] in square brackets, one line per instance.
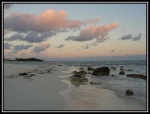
[25, 59]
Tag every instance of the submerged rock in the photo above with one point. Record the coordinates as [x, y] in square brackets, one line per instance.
[130, 70]
[82, 72]
[114, 68]
[79, 78]
[101, 71]
[95, 83]
[141, 76]
[129, 92]
[113, 75]
[122, 73]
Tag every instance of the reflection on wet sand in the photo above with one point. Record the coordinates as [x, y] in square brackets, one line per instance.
[84, 98]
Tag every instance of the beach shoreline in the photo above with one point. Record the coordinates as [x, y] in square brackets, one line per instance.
[51, 91]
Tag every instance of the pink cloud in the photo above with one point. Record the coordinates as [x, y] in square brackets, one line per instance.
[94, 32]
[49, 20]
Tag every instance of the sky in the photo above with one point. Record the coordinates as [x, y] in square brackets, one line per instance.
[75, 31]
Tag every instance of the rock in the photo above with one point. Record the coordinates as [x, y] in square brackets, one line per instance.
[79, 79]
[90, 69]
[89, 72]
[130, 70]
[101, 71]
[141, 76]
[23, 74]
[40, 72]
[32, 75]
[122, 73]
[83, 79]
[74, 72]
[129, 92]
[121, 68]
[114, 68]
[59, 65]
[48, 71]
[113, 75]
[82, 72]
[95, 83]
[81, 68]
[76, 75]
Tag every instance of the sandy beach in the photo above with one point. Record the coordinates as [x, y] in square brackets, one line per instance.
[50, 89]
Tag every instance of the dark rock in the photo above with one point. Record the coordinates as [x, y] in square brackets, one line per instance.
[130, 70]
[48, 70]
[121, 68]
[90, 69]
[95, 83]
[101, 71]
[129, 92]
[76, 75]
[122, 73]
[74, 72]
[82, 72]
[113, 75]
[23, 74]
[141, 76]
[32, 75]
[40, 72]
[79, 79]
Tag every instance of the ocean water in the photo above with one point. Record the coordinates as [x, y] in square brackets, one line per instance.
[119, 83]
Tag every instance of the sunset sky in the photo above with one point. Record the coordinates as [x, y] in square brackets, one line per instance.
[64, 31]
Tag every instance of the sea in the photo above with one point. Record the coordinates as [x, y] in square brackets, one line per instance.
[119, 84]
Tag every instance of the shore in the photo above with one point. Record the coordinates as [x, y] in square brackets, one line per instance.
[37, 93]
[54, 91]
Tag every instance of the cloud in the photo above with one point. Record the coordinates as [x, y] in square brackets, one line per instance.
[15, 37]
[94, 32]
[21, 47]
[130, 36]
[42, 46]
[60, 46]
[86, 46]
[138, 37]
[7, 6]
[6, 31]
[23, 54]
[112, 50]
[31, 37]
[126, 37]
[7, 45]
[49, 20]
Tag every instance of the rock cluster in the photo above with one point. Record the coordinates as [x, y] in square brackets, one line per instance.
[103, 71]
[141, 76]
